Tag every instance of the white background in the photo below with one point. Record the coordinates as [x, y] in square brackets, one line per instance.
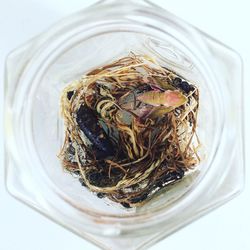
[226, 228]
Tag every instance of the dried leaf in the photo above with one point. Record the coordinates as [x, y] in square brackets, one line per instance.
[167, 98]
[160, 111]
[164, 84]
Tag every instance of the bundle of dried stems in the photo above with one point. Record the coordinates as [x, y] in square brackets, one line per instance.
[130, 129]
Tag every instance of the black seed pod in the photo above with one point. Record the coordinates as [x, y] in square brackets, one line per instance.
[88, 123]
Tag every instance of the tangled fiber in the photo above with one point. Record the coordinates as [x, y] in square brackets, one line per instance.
[130, 129]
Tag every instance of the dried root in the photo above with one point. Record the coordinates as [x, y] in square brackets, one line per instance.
[130, 129]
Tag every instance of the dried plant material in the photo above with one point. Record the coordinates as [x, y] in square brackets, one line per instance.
[130, 129]
[167, 98]
[159, 112]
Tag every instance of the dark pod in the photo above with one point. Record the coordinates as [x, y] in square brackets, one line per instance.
[183, 85]
[177, 81]
[139, 198]
[81, 180]
[88, 123]
[171, 177]
[100, 195]
[125, 204]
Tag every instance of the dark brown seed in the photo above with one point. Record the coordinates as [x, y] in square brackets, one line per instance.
[184, 86]
[139, 198]
[125, 204]
[81, 180]
[100, 195]
[170, 177]
[177, 81]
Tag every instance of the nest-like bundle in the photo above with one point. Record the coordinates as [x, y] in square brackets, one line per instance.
[130, 129]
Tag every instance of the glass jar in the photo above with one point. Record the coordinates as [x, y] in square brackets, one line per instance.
[37, 72]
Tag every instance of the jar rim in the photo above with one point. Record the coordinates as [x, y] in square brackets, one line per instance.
[56, 36]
